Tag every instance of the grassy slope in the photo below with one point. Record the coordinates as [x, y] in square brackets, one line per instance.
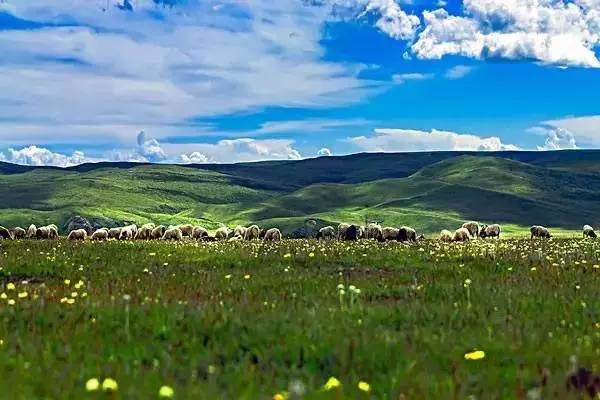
[427, 190]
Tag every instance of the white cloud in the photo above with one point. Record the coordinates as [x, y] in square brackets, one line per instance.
[408, 140]
[414, 76]
[459, 71]
[556, 138]
[393, 20]
[39, 156]
[149, 148]
[586, 129]
[308, 125]
[555, 32]
[324, 152]
[194, 158]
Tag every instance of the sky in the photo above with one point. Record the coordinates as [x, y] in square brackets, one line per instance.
[197, 81]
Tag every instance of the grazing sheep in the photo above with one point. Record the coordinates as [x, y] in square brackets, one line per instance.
[272, 235]
[461, 235]
[47, 232]
[223, 233]
[145, 232]
[18, 233]
[128, 232]
[239, 231]
[187, 230]
[539, 232]
[342, 228]
[199, 233]
[31, 231]
[446, 236]
[407, 234]
[349, 233]
[100, 234]
[173, 234]
[390, 233]
[472, 227]
[114, 233]
[588, 232]
[374, 231]
[5, 233]
[77, 234]
[361, 232]
[252, 233]
[488, 231]
[326, 233]
[158, 232]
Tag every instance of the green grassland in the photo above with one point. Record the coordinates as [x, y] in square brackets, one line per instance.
[429, 191]
[248, 320]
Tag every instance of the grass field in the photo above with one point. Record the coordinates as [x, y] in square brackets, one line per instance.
[253, 320]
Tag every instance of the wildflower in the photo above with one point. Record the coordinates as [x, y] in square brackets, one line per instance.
[79, 284]
[467, 283]
[11, 302]
[166, 392]
[3, 296]
[152, 254]
[311, 254]
[228, 276]
[74, 294]
[287, 255]
[63, 300]
[246, 276]
[110, 385]
[280, 396]
[67, 282]
[22, 295]
[364, 386]
[332, 383]
[70, 301]
[92, 385]
[10, 286]
[340, 287]
[475, 355]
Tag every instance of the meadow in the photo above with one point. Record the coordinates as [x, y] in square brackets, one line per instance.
[494, 319]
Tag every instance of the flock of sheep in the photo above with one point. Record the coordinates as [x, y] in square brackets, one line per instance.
[345, 232]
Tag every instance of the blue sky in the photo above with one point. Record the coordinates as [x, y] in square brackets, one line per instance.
[243, 80]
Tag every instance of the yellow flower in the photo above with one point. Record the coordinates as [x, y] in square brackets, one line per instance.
[67, 282]
[332, 383]
[287, 255]
[364, 386]
[10, 286]
[22, 295]
[92, 385]
[63, 300]
[228, 276]
[246, 276]
[78, 285]
[70, 301]
[475, 355]
[74, 294]
[11, 302]
[280, 396]
[311, 254]
[3, 296]
[110, 384]
[166, 392]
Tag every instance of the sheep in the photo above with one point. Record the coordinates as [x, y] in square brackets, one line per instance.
[539, 232]
[472, 227]
[239, 231]
[31, 231]
[173, 234]
[407, 234]
[252, 232]
[18, 233]
[100, 234]
[273, 235]
[47, 232]
[128, 232]
[186, 230]
[374, 231]
[114, 233]
[348, 232]
[446, 236]
[326, 233]
[158, 232]
[461, 235]
[490, 231]
[588, 232]
[199, 233]
[77, 234]
[145, 232]
[5, 233]
[222, 233]
[390, 233]
[361, 232]
[235, 238]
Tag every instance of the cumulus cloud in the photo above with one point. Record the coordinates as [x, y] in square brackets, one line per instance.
[149, 148]
[324, 152]
[557, 32]
[585, 129]
[194, 158]
[408, 140]
[392, 19]
[40, 156]
[556, 138]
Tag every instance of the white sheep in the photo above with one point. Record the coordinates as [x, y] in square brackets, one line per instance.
[273, 235]
[374, 231]
[446, 236]
[187, 230]
[461, 235]
[173, 234]
[239, 231]
[77, 234]
[538, 231]
[128, 232]
[158, 232]
[326, 233]
[472, 227]
[390, 233]
[407, 234]
[252, 233]
[100, 234]
[145, 232]
[114, 233]
[5, 233]
[490, 231]
[199, 233]
[47, 232]
[223, 233]
[18, 233]
[31, 231]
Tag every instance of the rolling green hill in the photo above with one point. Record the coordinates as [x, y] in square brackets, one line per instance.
[430, 191]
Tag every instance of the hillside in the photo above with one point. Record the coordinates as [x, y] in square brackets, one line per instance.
[430, 191]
